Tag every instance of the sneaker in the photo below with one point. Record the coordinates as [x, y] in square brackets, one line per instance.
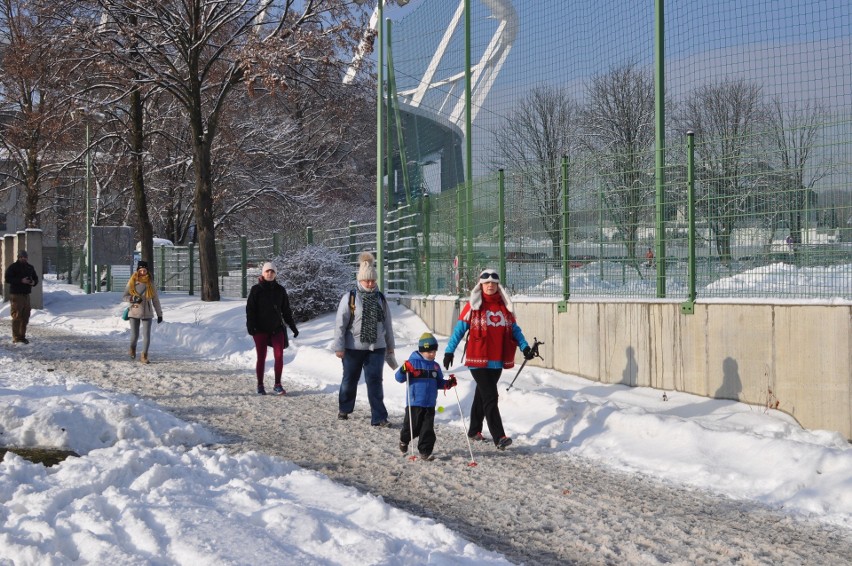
[504, 443]
[403, 447]
[261, 390]
[383, 424]
[478, 436]
[427, 457]
[279, 390]
[342, 416]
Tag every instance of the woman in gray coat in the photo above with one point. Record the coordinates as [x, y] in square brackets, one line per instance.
[141, 293]
[363, 335]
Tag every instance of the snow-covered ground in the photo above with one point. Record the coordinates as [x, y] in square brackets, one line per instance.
[149, 487]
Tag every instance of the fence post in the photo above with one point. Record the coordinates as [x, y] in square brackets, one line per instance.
[176, 258]
[501, 222]
[352, 250]
[109, 278]
[459, 239]
[276, 244]
[688, 307]
[162, 268]
[427, 251]
[566, 247]
[191, 268]
[82, 263]
[243, 262]
[601, 205]
[309, 235]
[660, 142]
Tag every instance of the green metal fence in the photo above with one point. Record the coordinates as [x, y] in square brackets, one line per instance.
[742, 249]
[591, 132]
[607, 242]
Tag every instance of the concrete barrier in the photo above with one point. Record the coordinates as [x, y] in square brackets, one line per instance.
[791, 357]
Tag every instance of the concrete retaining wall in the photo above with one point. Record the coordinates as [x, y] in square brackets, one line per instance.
[797, 355]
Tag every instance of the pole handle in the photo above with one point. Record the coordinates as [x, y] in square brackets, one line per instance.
[534, 349]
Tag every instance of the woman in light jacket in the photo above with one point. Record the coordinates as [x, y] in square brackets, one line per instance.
[363, 336]
[141, 293]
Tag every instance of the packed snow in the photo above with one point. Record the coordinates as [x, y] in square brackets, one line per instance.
[151, 487]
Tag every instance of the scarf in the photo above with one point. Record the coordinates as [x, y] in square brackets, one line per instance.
[371, 315]
[491, 337]
[145, 280]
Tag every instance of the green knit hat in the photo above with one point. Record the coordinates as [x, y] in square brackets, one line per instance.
[427, 343]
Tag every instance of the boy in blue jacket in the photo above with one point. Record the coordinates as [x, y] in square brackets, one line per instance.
[424, 378]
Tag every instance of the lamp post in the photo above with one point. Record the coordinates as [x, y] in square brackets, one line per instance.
[87, 116]
[380, 177]
[380, 181]
[89, 266]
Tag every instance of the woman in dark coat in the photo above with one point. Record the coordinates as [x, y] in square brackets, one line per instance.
[267, 313]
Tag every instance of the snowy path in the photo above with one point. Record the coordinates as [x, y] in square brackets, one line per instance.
[534, 507]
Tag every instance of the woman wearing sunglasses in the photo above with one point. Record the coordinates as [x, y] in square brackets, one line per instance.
[494, 335]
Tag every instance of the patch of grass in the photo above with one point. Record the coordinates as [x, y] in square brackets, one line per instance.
[47, 456]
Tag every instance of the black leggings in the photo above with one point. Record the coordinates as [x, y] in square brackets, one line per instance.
[485, 403]
[423, 423]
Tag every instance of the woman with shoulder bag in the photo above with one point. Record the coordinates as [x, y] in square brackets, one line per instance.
[141, 293]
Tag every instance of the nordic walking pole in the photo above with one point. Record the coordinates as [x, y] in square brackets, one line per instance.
[534, 348]
[411, 455]
[464, 422]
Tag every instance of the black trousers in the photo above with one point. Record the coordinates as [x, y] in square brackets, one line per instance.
[423, 423]
[485, 403]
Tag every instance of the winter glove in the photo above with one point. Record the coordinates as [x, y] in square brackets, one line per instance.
[159, 319]
[451, 382]
[295, 332]
[409, 369]
[528, 353]
[448, 360]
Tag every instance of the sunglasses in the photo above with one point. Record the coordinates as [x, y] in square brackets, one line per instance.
[489, 275]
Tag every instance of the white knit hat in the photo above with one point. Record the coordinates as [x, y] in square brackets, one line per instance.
[367, 267]
[267, 266]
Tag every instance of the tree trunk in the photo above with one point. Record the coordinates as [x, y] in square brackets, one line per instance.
[204, 215]
[138, 178]
[32, 198]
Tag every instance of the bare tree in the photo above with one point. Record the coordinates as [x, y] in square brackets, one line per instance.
[619, 130]
[532, 141]
[287, 154]
[727, 118]
[200, 51]
[794, 129]
[33, 102]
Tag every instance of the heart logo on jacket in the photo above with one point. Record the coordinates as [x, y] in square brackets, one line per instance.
[496, 318]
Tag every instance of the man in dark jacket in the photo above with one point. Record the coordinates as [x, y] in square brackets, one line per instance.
[21, 278]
